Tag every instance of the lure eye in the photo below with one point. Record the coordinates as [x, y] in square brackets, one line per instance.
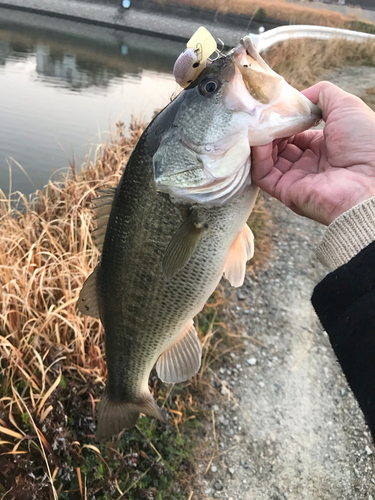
[208, 87]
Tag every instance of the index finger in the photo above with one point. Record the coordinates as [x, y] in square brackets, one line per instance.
[304, 139]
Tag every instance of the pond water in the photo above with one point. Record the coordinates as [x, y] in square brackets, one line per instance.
[63, 87]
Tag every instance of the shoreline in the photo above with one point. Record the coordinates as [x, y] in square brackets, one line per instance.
[172, 24]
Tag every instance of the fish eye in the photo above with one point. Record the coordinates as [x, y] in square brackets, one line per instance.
[208, 87]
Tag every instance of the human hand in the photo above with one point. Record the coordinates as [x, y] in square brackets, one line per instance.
[322, 173]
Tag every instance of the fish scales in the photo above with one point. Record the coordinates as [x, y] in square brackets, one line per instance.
[178, 222]
[146, 313]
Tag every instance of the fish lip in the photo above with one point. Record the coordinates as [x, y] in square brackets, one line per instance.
[248, 43]
[247, 46]
[261, 82]
[315, 110]
[247, 49]
[238, 51]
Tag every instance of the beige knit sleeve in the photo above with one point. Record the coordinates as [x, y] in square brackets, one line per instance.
[348, 235]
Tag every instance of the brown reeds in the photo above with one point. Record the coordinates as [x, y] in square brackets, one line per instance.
[281, 10]
[46, 252]
[303, 62]
[51, 357]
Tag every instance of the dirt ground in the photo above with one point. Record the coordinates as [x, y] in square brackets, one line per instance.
[288, 427]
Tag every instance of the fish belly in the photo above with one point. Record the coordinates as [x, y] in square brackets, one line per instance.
[141, 313]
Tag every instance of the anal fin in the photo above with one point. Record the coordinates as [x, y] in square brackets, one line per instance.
[88, 298]
[183, 359]
[241, 251]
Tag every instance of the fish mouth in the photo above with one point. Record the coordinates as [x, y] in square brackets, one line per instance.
[276, 109]
[204, 156]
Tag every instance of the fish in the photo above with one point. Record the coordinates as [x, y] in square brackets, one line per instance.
[177, 222]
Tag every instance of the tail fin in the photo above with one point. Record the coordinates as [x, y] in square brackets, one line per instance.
[114, 416]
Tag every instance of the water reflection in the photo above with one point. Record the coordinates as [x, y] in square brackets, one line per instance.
[63, 83]
[5, 51]
[65, 69]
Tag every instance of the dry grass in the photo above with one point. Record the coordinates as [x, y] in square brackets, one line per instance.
[303, 62]
[46, 252]
[369, 97]
[276, 9]
[52, 368]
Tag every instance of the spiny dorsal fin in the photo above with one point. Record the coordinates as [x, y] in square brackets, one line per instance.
[98, 235]
[88, 298]
[241, 251]
[107, 192]
[183, 359]
[182, 246]
[102, 209]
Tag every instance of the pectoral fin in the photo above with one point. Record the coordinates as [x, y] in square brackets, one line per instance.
[182, 246]
[241, 251]
[88, 297]
[183, 359]
[248, 241]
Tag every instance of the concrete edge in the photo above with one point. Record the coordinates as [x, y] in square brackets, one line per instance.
[104, 24]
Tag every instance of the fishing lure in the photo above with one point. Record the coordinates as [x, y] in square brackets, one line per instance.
[193, 59]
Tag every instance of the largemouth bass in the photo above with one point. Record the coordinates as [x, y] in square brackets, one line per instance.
[177, 221]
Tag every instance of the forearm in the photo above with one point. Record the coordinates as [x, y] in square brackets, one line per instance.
[345, 299]
[345, 304]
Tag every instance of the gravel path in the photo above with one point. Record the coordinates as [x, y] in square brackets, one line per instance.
[296, 429]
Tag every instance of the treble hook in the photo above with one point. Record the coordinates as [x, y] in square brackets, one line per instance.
[222, 45]
[218, 52]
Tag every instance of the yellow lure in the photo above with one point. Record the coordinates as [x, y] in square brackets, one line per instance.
[192, 61]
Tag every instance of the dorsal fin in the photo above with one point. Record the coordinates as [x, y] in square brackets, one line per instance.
[183, 359]
[88, 298]
[102, 209]
[241, 251]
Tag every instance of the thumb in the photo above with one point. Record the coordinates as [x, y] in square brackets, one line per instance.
[328, 97]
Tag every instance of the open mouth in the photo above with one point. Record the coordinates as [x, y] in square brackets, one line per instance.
[274, 105]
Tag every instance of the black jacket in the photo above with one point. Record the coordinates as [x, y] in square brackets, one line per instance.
[345, 304]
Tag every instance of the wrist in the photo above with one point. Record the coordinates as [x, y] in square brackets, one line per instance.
[348, 234]
[360, 194]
